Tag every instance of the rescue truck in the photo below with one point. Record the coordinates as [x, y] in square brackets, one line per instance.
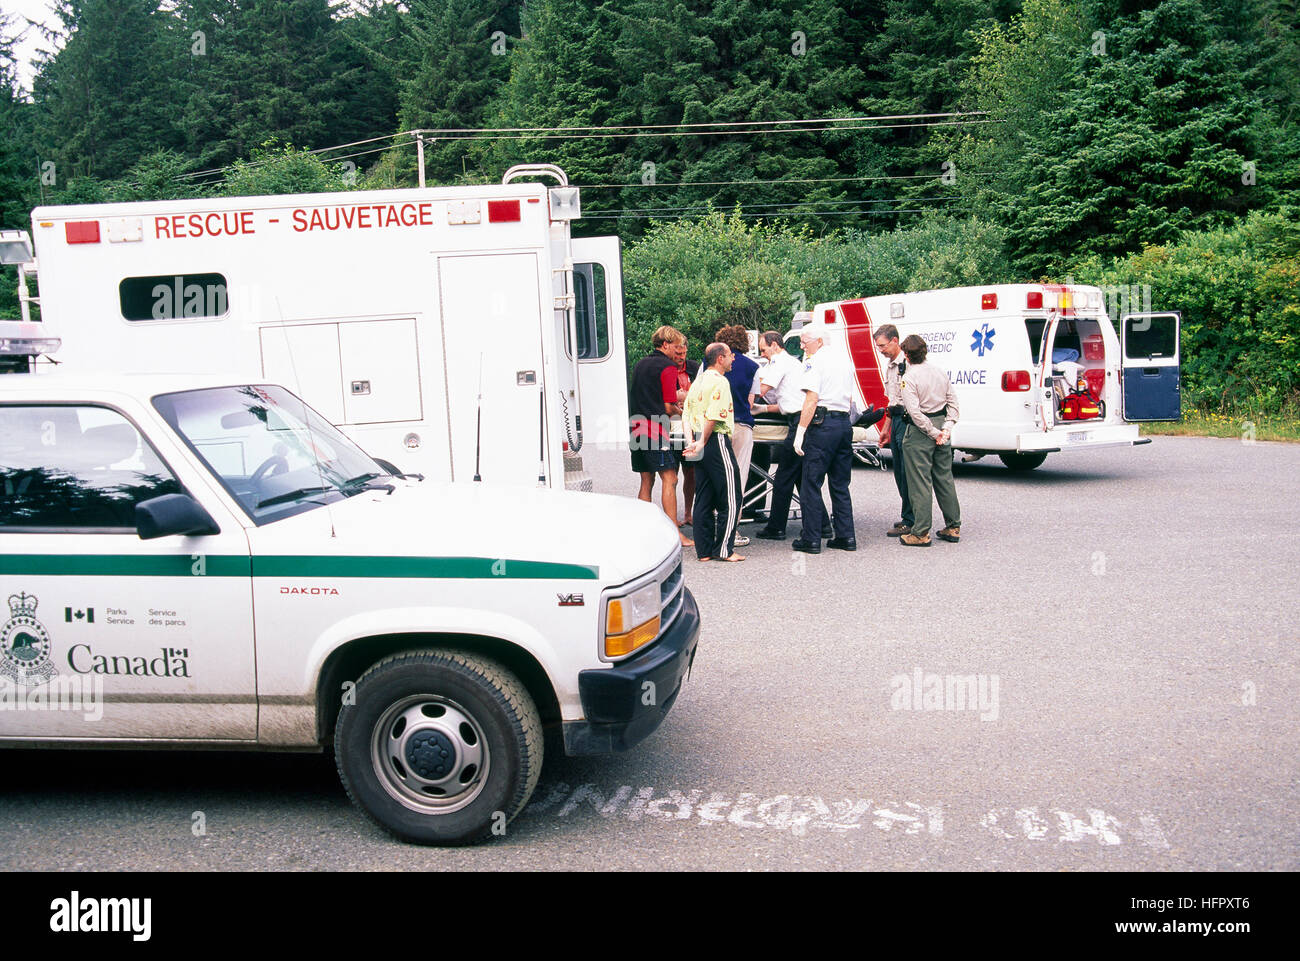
[455, 332]
[1038, 368]
[196, 561]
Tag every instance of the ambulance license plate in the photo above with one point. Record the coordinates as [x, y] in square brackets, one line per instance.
[1075, 437]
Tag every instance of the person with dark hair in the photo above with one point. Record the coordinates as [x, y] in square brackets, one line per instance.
[931, 406]
[687, 370]
[741, 379]
[652, 399]
[886, 338]
[708, 421]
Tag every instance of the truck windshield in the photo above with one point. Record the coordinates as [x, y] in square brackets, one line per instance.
[272, 452]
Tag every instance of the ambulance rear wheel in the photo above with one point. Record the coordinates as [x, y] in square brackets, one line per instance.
[1021, 462]
[440, 747]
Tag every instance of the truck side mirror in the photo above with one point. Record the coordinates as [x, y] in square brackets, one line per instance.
[172, 514]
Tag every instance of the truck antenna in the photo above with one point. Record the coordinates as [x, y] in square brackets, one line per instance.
[478, 430]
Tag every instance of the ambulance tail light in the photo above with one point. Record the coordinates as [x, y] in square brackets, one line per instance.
[632, 620]
[1013, 380]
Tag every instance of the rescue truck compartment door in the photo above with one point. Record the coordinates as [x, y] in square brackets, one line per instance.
[602, 352]
[492, 318]
[1150, 351]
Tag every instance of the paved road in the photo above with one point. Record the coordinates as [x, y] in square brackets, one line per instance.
[1127, 615]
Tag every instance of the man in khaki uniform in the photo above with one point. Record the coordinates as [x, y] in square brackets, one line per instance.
[931, 406]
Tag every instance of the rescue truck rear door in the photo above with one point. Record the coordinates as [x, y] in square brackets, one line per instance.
[602, 353]
[1151, 377]
[492, 348]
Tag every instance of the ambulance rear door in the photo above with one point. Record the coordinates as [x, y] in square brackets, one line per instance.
[1150, 366]
[602, 351]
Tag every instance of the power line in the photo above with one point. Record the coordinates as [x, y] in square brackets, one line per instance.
[702, 125]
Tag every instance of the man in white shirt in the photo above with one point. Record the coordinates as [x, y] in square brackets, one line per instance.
[779, 383]
[824, 439]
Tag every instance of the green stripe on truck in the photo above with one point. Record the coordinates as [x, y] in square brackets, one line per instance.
[238, 565]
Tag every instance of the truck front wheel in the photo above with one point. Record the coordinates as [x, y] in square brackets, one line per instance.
[440, 747]
[1017, 461]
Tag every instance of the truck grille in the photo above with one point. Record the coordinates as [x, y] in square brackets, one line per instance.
[670, 593]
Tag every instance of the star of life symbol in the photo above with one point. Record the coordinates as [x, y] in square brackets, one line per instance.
[25, 644]
[983, 339]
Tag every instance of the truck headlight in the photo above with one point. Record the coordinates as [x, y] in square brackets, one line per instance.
[632, 620]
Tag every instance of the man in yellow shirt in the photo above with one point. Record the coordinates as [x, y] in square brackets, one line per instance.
[708, 421]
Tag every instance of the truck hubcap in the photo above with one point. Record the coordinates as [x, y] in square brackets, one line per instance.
[430, 754]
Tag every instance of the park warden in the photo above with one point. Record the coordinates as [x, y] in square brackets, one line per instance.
[887, 343]
[824, 440]
[931, 406]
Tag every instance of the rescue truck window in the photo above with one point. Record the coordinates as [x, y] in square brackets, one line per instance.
[1034, 328]
[74, 468]
[1150, 337]
[590, 312]
[178, 296]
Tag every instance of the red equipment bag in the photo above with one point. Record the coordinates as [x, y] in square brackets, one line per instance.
[1081, 405]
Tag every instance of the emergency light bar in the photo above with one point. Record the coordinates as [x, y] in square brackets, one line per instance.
[25, 339]
[15, 247]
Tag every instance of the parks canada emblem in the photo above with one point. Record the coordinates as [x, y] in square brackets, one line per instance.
[25, 644]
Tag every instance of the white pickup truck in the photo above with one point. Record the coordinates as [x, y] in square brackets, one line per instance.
[188, 562]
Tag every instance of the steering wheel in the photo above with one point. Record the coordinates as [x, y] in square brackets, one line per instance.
[275, 464]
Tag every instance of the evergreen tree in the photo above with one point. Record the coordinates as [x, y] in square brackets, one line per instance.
[456, 55]
[109, 94]
[1154, 139]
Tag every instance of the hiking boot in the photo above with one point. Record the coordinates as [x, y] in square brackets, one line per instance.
[951, 533]
[911, 540]
[899, 529]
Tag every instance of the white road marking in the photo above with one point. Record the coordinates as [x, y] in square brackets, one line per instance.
[800, 813]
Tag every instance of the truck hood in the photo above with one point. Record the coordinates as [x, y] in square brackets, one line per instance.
[539, 530]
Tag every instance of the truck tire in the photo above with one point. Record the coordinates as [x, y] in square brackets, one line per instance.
[440, 747]
[1021, 462]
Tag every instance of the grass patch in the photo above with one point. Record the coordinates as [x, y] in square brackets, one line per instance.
[1262, 425]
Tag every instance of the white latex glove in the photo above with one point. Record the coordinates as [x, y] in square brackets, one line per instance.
[798, 439]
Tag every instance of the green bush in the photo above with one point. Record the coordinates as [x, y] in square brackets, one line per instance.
[1238, 289]
[706, 273]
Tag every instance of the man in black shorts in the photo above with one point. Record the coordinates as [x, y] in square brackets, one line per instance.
[650, 402]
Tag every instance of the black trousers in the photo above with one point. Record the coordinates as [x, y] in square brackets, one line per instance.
[828, 455]
[717, 490]
[897, 428]
[789, 472]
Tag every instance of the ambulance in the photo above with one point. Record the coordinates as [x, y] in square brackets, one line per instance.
[195, 561]
[1038, 368]
[458, 333]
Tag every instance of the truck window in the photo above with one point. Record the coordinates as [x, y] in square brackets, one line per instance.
[591, 312]
[1034, 328]
[67, 468]
[1146, 338]
[175, 297]
[272, 452]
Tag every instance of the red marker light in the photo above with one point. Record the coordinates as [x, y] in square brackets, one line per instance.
[829, 315]
[1034, 300]
[989, 302]
[503, 211]
[1015, 380]
[82, 231]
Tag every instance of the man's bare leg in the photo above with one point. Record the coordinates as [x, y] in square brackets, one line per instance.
[688, 495]
[647, 486]
[669, 500]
